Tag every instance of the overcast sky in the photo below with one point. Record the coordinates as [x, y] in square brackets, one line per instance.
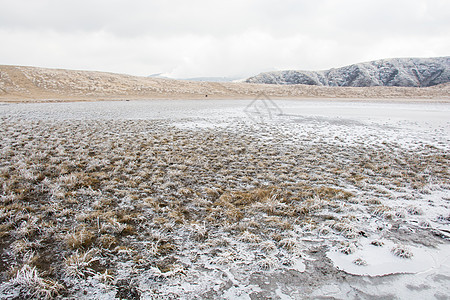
[195, 38]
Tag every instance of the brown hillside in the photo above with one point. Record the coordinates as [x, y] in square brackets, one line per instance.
[31, 84]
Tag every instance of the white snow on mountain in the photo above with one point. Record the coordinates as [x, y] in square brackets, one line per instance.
[408, 72]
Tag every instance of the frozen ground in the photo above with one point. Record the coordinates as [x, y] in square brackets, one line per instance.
[225, 200]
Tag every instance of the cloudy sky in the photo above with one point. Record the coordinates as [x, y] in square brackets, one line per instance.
[218, 38]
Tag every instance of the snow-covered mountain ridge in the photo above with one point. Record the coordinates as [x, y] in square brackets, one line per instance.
[407, 72]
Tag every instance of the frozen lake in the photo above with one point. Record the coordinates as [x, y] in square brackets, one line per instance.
[398, 122]
[438, 113]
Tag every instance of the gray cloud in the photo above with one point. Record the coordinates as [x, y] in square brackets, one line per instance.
[215, 38]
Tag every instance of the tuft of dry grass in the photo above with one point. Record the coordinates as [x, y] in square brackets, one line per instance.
[382, 211]
[377, 243]
[360, 262]
[268, 263]
[80, 239]
[80, 264]
[347, 247]
[402, 251]
[30, 284]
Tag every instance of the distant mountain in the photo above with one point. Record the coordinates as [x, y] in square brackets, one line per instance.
[405, 72]
[213, 79]
[158, 75]
[204, 79]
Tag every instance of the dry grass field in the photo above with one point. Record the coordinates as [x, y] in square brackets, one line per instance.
[146, 209]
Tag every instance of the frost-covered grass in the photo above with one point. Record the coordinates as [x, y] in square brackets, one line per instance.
[28, 283]
[402, 251]
[88, 205]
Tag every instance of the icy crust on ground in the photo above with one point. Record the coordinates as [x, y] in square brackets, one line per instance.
[383, 257]
[229, 209]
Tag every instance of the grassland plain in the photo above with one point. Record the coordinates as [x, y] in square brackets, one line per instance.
[158, 209]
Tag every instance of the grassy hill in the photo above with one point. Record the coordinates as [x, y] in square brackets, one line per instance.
[32, 84]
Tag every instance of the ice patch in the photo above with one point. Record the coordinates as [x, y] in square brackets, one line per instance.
[281, 295]
[381, 261]
[240, 292]
[298, 266]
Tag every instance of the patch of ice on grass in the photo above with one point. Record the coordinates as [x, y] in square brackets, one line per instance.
[381, 261]
[281, 295]
[334, 291]
[240, 292]
[298, 265]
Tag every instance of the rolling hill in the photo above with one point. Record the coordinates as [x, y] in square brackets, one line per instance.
[32, 84]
